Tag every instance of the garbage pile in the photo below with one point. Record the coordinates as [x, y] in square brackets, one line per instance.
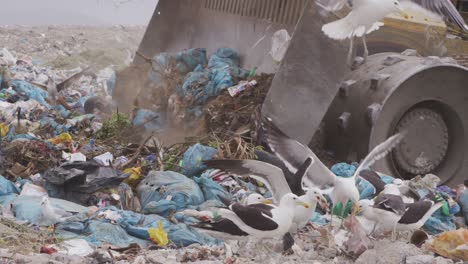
[191, 91]
[65, 161]
[71, 166]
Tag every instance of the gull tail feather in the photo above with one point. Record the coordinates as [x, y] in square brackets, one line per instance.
[339, 29]
[375, 27]
[431, 211]
[380, 152]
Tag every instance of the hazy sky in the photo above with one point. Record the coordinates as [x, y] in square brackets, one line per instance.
[76, 12]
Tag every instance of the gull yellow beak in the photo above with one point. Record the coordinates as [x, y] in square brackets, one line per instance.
[306, 205]
[355, 209]
[322, 202]
[266, 201]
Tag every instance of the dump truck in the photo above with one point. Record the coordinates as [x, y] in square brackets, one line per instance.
[410, 82]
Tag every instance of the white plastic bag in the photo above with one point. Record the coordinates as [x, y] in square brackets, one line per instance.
[279, 44]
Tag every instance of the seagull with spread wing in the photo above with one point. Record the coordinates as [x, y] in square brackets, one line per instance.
[364, 18]
[275, 181]
[447, 11]
[293, 153]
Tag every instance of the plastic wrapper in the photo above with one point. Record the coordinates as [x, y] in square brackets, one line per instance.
[76, 181]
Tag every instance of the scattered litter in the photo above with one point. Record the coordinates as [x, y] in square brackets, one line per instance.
[158, 236]
[104, 159]
[61, 177]
[193, 157]
[451, 244]
[29, 189]
[235, 90]
[72, 157]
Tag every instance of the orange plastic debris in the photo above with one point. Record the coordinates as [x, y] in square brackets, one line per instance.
[451, 244]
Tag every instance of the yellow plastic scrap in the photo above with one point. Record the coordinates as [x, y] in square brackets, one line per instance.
[4, 128]
[451, 244]
[158, 236]
[62, 138]
[135, 175]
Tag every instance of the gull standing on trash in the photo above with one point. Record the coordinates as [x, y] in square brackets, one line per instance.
[385, 211]
[275, 181]
[274, 178]
[261, 220]
[226, 229]
[417, 214]
[293, 153]
[364, 18]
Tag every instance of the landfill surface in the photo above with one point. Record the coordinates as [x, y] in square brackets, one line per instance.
[84, 182]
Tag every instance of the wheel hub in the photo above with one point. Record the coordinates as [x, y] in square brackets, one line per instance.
[425, 144]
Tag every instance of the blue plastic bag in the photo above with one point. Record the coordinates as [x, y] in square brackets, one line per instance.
[438, 223]
[387, 179]
[31, 91]
[104, 232]
[343, 169]
[162, 207]
[170, 186]
[7, 187]
[188, 60]
[28, 208]
[211, 189]
[366, 190]
[193, 157]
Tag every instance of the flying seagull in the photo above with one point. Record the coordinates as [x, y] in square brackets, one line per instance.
[293, 153]
[364, 18]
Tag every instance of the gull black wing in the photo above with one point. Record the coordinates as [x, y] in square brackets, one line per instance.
[390, 202]
[415, 212]
[255, 217]
[224, 225]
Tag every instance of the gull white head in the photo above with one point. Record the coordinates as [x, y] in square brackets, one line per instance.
[256, 198]
[290, 200]
[314, 194]
[395, 4]
[364, 204]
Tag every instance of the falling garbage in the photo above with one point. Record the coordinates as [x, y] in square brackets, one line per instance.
[192, 155]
